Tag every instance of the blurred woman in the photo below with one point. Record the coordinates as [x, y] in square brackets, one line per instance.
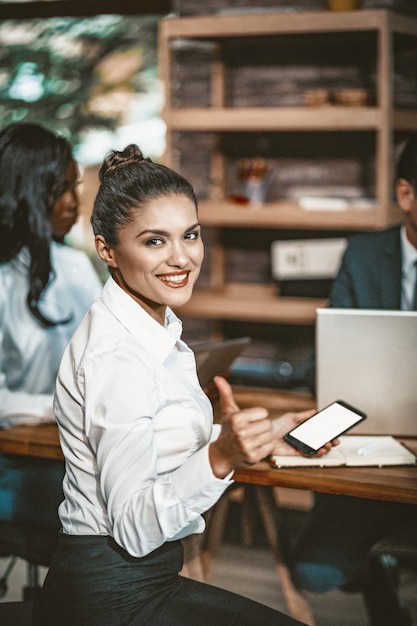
[46, 288]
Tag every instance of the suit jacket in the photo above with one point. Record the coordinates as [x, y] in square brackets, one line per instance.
[370, 272]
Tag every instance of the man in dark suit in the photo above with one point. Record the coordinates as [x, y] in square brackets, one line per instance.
[378, 271]
[370, 274]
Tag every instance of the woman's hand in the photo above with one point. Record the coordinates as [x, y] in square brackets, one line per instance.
[246, 435]
[283, 424]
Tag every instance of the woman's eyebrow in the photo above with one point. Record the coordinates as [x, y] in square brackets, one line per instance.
[151, 231]
[164, 233]
[196, 225]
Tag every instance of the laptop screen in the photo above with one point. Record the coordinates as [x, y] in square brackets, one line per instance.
[369, 359]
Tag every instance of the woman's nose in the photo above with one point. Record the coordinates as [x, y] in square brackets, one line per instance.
[178, 255]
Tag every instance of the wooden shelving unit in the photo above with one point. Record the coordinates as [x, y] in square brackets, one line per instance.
[284, 214]
[381, 119]
[255, 303]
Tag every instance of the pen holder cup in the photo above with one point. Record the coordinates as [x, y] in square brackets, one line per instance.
[255, 191]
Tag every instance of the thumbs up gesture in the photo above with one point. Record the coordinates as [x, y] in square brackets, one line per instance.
[246, 435]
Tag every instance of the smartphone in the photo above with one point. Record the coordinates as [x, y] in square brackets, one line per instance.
[327, 424]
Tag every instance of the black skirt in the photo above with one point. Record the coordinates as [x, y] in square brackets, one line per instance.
[94, 582]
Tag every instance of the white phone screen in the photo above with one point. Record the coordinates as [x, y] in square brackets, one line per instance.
[326, 425]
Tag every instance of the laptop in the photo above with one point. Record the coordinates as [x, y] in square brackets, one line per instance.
[369, 359]
[215, 358]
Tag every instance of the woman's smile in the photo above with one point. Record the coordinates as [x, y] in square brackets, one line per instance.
[175, 280]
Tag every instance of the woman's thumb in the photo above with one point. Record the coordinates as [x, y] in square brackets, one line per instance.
[227, 401]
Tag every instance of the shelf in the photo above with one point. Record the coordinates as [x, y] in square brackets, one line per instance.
[252, 303]
[286, 214]
[335, 118]
[262, 24]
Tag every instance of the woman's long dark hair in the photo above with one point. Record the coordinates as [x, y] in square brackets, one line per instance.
[33, 166]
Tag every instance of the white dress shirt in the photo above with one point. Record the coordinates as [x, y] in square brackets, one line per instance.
[135, 427]
[29, 352]
[409, 260]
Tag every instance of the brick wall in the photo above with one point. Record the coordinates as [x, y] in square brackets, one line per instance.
[212, 7]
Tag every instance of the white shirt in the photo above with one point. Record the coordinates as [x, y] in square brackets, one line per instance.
[29, 352]
[135, 427]
[409, 259]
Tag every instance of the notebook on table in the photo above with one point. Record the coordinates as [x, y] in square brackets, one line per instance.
[354, 451]
[369, 358]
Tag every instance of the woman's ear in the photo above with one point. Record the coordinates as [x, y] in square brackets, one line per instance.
[405, 195]
[105, 252]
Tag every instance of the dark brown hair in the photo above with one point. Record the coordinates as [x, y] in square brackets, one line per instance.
[127, 181]
[407, 162]
[33, 166]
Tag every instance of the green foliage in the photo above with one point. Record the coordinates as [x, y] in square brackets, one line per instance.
[51, 70]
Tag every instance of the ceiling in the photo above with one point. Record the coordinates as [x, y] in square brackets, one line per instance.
[82, 8]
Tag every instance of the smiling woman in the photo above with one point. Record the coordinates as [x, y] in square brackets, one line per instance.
[144, 460]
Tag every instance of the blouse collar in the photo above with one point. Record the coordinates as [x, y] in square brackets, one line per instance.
[157, 339]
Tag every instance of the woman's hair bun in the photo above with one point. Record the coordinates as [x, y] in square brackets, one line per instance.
[117, 159]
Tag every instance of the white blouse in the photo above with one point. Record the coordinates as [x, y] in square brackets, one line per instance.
[409, 260]
[29, 352]
[135, 427]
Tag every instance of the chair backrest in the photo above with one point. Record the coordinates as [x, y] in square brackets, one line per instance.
[32, 543]
[16, 613]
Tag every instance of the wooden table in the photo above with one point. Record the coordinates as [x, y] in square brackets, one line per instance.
[395, 483]
[39, 441]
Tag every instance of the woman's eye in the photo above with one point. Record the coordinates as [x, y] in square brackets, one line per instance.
[193, 235]
[155, 241]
